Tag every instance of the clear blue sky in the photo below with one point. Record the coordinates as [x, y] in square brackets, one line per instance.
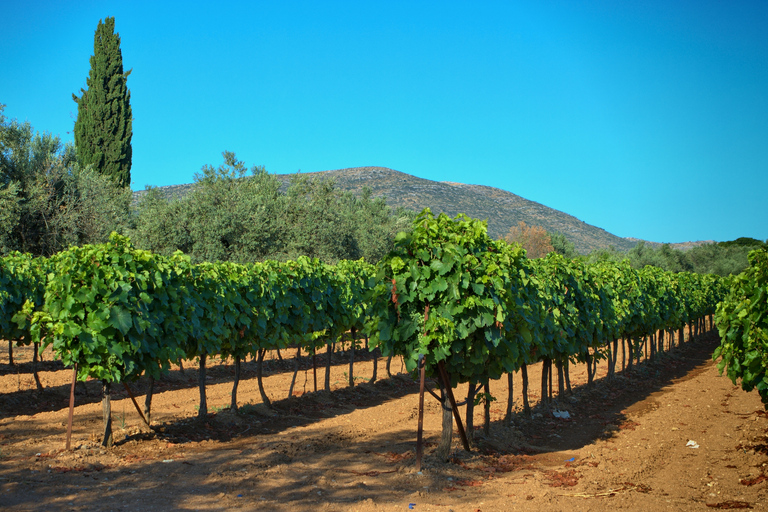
[646, 118]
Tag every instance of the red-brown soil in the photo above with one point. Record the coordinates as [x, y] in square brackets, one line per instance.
[624, 446]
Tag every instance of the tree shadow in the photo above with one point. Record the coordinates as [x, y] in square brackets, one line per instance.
[607, 406]
[31, 401]
[283, 459]
[260, 472]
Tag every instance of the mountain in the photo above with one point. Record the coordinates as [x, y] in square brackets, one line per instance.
[502, 209]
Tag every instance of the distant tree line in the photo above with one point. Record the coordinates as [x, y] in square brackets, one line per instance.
[721, 258]
[50, 201]
[53, 196]
[230, 216]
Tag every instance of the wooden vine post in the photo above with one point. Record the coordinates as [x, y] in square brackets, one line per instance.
[420, 430]
[456, 416]
[71, 407]
[136, 405]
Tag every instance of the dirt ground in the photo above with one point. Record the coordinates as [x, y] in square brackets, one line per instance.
[668, 435]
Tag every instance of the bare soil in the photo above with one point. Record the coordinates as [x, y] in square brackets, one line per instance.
[625, 445]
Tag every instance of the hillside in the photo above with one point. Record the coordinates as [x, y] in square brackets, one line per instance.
[502, 209]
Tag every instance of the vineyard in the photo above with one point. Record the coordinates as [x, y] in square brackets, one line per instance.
[469, 317]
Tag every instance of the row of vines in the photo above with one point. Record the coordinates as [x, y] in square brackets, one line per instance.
[742, 319]
[115, 313]
[473, 309]
[469, 307]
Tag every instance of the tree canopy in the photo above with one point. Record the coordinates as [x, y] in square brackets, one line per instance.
[722, 258]
[47, 200]
[103, 129]
[534, 239]
[240, 215]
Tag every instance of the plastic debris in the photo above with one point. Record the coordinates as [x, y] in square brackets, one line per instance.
[571, 459]
[561, 414]
[411, 506]
[692, 444]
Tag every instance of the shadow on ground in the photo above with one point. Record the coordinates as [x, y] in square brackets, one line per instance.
[227, 461]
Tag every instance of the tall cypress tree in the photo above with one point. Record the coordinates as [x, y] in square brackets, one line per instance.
[103, 128]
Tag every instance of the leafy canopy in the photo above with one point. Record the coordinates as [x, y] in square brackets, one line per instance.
[104, 125]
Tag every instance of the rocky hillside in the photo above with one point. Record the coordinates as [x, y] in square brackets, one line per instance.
[502, 209]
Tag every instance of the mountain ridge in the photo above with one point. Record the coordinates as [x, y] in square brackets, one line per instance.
[502, 209]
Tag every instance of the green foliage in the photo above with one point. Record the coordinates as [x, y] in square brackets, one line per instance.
[22, 288]
[562, 245]
[375, 224]
[450, 294]
[10, 213]
[742, 319]
[233, 219]
[317, 222]
[353, 278]
[663, 257]
[323, 222]
[605, 255]
[230, 216]
[752, 243]
[571, 317]
[113, 310]
[445, 292]
[100, 206]
[47, 201]
[161, 226]
[118, 312]
[103, 129]
[723, 259]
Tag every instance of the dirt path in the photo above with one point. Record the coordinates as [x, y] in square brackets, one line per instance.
[625, 445]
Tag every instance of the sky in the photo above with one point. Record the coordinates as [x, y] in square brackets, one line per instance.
[647, 118]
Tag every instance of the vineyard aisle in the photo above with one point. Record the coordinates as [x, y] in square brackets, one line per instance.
[672, 435]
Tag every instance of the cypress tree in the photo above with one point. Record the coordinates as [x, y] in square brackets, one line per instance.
[103, 127]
